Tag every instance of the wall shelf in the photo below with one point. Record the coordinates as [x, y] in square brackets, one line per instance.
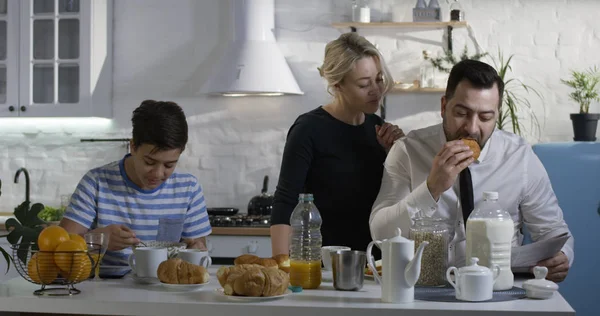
[427, 25]
[417, 90]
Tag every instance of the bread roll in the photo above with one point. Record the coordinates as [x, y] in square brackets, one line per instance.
[473, 145]
[250, 283]
[268, 263]
[283, 261]
[278, 281]
[246, 259]
[257, 281]
[278, 261]
[230, 273]
[177, 271]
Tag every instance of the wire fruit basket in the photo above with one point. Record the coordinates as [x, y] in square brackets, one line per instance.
[56, 271]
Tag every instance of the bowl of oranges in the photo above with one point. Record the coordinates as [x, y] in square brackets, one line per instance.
[57, 259]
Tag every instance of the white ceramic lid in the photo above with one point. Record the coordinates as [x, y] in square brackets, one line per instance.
[540, 283]
[474, 268]
[398, 238]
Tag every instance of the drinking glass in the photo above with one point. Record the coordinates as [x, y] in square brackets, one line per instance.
[101, 240]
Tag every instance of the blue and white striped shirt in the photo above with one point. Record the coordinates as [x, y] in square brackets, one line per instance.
[174, 210]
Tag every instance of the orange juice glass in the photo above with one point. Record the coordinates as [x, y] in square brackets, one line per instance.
[306, 274]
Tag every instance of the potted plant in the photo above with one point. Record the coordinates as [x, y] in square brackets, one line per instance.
[586, 87]
[514, 101]
[448, 60]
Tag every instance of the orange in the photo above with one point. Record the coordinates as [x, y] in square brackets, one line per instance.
[51, 237]
[70, 256]
[41, 268]
[80, 272]
[78, 239]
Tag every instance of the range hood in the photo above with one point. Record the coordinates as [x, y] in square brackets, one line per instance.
[252, 63]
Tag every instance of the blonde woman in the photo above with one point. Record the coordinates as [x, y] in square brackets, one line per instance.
[336, 151]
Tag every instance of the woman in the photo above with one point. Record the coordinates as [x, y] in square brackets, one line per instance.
[336, 151]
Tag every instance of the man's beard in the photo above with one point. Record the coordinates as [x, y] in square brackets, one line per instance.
[459, 134]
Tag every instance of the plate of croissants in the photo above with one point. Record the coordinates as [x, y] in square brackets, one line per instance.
[252, 278]
[181, 276]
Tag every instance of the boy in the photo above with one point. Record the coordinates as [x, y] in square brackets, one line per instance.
[141, 198]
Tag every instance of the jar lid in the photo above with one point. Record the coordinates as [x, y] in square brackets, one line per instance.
[540, 283]
[474, 268]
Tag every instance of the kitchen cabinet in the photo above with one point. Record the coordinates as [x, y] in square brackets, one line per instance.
[228, 246]
[55, 58]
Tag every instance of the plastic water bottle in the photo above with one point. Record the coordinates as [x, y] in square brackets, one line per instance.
[490, 231]
[305, 244]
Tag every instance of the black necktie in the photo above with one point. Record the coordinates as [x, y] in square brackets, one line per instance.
[466, 193]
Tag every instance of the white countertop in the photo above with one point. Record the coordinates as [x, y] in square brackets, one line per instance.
[125, 297]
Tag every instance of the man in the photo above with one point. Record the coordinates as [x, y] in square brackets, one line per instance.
[421, 170]
[141, 198]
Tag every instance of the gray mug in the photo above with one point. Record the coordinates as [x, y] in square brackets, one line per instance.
[348, 269]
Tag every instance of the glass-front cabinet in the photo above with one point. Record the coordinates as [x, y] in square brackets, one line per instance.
[55, 58]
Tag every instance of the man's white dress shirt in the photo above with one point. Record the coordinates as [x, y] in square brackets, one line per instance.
[507, 165]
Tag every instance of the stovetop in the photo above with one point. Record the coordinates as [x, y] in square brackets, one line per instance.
[240, 220]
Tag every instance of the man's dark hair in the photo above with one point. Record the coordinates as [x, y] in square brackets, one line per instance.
[479, 74]
[160, 123]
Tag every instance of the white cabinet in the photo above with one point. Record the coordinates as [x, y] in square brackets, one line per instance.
[222, 246]
[56, 58]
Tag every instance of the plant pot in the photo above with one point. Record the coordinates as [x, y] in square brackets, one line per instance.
[584, 126]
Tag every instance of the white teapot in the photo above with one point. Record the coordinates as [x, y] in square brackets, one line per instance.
[474, 283]
[401, 267]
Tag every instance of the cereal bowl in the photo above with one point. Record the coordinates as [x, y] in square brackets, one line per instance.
[172, 247]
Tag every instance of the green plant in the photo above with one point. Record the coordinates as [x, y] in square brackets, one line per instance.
[585, 84]
[514, 101]
[52, 214]
[24, 230]
[446, 62]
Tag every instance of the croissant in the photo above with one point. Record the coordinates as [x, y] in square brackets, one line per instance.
[281, 261]
[245, 259]
[177, 271]
[258, 282]
[224, 272]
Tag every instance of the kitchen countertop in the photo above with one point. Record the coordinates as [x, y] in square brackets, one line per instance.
[241, 231]
[124, 297]
[221, 231]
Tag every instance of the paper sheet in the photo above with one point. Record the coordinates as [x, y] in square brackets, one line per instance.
[526, 256]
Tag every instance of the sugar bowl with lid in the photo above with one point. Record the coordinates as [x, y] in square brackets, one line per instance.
[540, 288]
[473, 283]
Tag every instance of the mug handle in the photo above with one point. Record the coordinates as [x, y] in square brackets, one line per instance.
[131, 264]
[370, 259]
[497, 270]
[454, 285]
[206, 261]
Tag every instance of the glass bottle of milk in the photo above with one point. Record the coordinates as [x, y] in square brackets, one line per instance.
[489, 238]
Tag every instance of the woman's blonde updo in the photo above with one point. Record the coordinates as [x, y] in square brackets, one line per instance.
[342, 54]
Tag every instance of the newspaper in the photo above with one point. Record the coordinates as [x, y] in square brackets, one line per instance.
[524, 257]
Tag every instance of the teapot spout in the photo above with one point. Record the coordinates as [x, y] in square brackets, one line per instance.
[413, 268]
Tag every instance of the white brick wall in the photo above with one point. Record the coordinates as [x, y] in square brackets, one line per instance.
[165, 50]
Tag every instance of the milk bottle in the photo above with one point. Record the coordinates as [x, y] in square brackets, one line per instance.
[489, 238]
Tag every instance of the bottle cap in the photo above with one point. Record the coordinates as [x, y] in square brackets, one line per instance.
[490, 195]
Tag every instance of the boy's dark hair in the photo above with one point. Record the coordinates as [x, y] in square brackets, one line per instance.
[479, 74]
[160, 123]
